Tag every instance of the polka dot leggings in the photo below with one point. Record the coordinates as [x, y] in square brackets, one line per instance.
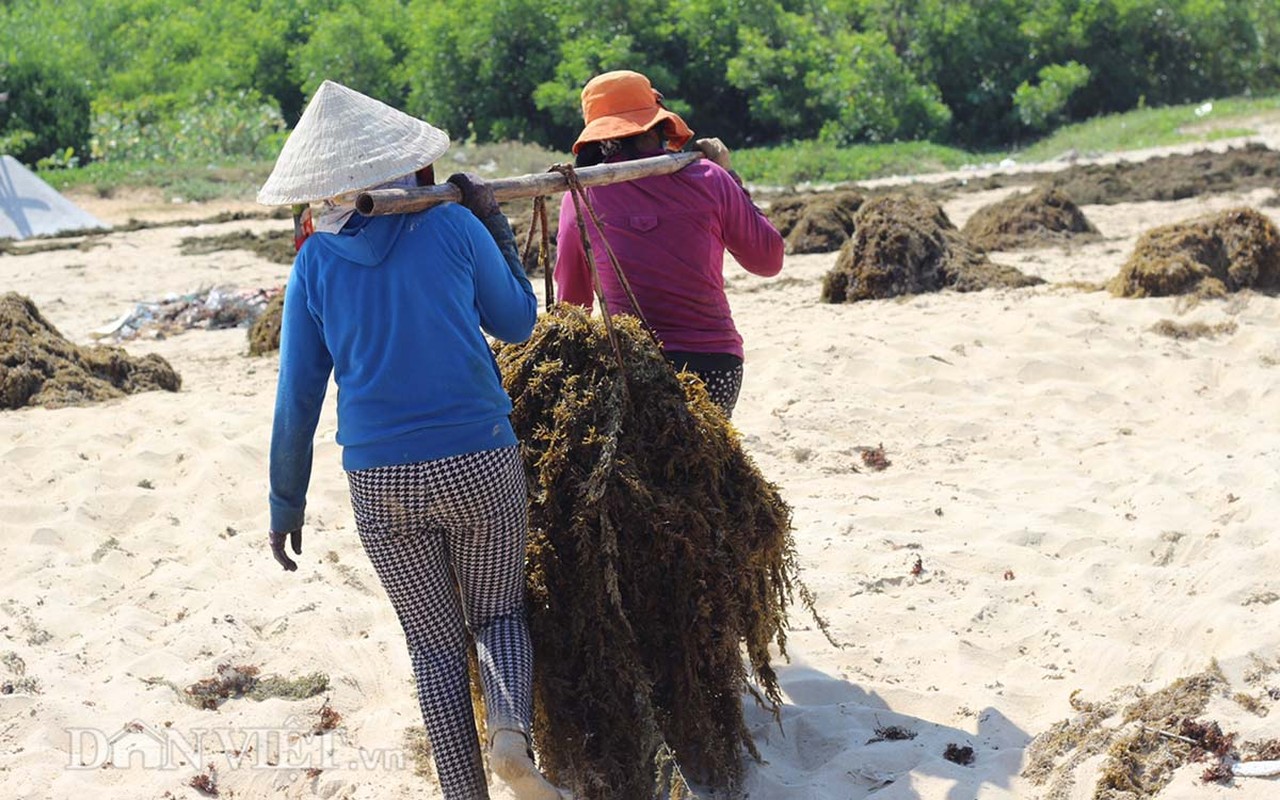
[447, 539]
[721, 372]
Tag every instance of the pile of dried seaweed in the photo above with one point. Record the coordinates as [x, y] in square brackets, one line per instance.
[815, 223]
[905, 244]
[1029, 219]
[656, 552]
[38, 367]
[1208, 257]
[264, 335]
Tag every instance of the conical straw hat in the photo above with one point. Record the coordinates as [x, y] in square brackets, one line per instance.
[345, 142]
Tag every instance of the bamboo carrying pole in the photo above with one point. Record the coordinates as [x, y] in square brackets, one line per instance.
[379, 202]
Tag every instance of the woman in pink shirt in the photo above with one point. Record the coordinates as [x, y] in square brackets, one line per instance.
[669, 232]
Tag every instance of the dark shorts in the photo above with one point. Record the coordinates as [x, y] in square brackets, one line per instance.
[721, 372]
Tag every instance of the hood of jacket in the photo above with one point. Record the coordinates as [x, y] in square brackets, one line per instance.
[364, 240]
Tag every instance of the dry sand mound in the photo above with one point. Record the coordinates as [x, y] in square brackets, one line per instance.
[264, 336]
[38, 367]
[905, 244]
[657, 555]
[1039, 218]
[1208, 256]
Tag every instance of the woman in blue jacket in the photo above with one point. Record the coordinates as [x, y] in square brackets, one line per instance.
[396, 307]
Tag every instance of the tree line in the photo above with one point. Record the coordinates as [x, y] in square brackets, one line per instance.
[164, 79]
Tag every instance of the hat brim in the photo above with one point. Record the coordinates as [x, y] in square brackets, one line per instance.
[346, 142]
[634, 123]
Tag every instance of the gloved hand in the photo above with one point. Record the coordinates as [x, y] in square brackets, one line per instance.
[277, 548]
[714, 150]
[476, 194]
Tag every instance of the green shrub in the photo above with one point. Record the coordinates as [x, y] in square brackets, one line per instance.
[209, 129]
[1045, 102]
[47, 112]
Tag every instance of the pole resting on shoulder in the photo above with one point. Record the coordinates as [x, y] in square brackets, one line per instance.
[380, 202]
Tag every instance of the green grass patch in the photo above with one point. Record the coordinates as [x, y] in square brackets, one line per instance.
[1208, 121]
[201, 182]
[819, 162]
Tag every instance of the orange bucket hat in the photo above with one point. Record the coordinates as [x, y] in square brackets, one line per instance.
[623, 103]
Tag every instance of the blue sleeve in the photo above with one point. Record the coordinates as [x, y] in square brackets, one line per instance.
[305, 365]
[508, 307]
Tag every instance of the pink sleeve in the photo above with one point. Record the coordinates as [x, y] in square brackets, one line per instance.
[748, 234]
[573, 277]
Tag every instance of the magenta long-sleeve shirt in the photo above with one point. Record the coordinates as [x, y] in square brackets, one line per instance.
[670, 233]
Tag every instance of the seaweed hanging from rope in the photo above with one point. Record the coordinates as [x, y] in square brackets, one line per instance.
[657, 553]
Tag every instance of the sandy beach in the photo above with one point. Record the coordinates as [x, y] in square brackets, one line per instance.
[1073, 503]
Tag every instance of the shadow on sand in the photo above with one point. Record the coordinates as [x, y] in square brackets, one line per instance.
[824, 749]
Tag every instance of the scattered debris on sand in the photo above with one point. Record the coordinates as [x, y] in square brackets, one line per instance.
[39, 367]
[905, 244]
[1142, 743]
[1040, 218]
[208, 309]
[1209, 256]
[1184, 331]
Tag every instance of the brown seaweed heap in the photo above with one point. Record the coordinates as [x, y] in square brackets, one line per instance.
[39, 367]
[1039, 218]
[1208, 256]
[1172, 177]
[657, 551]
[264, 334]
[815, 223]
[905, 244]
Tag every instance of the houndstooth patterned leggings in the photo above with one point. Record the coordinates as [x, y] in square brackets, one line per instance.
[447, 540]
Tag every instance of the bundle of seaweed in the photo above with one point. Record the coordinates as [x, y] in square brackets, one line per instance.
[905, 244]
[264, 334]
[1039, 218]
[1207, 257]
[656, 552]
[39, 367]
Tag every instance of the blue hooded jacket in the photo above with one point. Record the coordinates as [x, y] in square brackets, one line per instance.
[394, 306]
